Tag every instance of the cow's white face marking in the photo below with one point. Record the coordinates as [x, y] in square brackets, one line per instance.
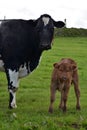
[2, 66]
[45, 20]
[13, 75]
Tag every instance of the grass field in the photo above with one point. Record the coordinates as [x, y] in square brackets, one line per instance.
[34, 93]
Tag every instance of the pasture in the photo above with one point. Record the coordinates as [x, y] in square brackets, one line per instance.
[34, 93]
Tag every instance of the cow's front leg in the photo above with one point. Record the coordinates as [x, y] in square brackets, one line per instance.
[12, 100]
[12, 76]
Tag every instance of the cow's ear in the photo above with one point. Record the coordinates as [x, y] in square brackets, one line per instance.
[33, 22]
[58, 24]
[56, 65]
[74, 67]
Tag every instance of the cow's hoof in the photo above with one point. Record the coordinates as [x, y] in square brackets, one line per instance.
[12, 106]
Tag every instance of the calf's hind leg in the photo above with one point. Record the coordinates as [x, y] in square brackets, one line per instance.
[77, 92]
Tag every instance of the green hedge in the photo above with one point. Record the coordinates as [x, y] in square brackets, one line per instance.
[71, 32]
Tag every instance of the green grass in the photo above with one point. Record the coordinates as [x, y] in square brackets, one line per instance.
[33, 94]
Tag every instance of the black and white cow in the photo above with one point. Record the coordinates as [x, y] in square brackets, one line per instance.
[21, 45]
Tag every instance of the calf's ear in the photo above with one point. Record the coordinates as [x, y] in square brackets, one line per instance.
[58, 24]
[56, 65]
[74, 67]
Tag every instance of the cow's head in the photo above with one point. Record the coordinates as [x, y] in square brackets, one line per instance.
[45, 28]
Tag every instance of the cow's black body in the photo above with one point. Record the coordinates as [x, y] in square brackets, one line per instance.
[21, 45]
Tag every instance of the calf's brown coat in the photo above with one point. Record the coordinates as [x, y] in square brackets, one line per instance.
[64, 74]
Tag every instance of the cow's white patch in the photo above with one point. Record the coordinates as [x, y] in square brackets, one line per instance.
[45, 20]
[2, 66]
[24, 70]
[13, 103]
[13, 75]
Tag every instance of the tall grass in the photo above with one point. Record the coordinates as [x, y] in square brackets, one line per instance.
[33, 95]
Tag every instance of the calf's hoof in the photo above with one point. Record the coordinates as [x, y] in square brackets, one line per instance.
[50, 110]
[64, 109]
[60, 107]
[78, 108]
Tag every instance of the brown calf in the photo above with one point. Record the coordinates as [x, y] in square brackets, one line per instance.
[64, 74]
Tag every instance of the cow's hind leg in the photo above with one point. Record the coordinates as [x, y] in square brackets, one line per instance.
[12, 76]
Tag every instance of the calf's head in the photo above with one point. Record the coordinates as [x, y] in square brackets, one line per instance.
[64, 73]
[45, 29]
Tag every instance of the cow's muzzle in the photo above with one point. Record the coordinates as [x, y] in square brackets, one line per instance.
[45, 46]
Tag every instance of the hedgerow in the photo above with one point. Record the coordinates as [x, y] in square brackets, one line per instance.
[71, 32]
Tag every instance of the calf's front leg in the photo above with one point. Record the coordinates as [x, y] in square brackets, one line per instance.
[61, 105]
[65, 96]
[52, 96]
